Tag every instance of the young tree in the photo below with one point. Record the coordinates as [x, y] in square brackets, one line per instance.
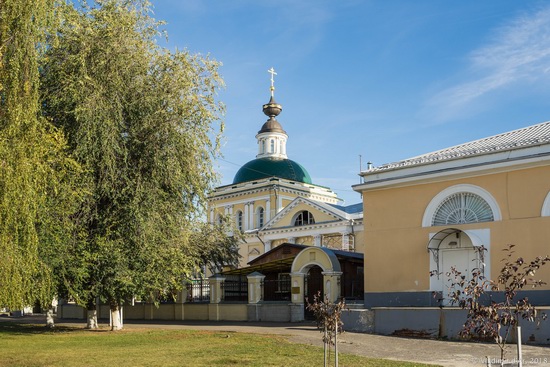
[36, 176]
[144, 123]
[328, 316]
[493, 306]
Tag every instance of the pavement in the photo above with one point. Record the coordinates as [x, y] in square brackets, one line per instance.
[436, 352]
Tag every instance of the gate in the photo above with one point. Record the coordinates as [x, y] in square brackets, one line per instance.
[313, 283]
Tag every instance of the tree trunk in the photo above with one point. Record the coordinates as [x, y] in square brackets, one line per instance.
[91, 319]
[116, 317]
[50, 322]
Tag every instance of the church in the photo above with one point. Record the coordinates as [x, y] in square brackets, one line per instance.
[281, 213]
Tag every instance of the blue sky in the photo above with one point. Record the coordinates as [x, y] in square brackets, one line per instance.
[385, 79]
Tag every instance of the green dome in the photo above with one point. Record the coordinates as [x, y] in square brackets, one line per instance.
[271, 167]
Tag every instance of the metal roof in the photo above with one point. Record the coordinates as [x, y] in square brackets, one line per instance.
[271, 167]
[349, 209]
[282, 265]
[529, 136]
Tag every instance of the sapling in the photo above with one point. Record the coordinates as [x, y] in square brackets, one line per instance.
[494, 308]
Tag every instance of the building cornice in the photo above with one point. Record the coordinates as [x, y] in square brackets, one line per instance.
[503, 161]
[314, 192]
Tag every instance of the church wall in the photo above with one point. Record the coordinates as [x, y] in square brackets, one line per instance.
[395, 243]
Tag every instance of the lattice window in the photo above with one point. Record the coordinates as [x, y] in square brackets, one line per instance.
[461, 208]
[332, 241]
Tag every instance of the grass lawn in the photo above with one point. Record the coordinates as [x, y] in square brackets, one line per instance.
[33, 345]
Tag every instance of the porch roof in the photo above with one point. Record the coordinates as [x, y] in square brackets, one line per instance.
[280, 258]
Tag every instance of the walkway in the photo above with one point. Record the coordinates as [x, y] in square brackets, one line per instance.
[444, 353]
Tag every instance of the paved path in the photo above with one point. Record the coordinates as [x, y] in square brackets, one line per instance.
[444, 353]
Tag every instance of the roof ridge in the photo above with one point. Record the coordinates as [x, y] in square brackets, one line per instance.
[519, 138]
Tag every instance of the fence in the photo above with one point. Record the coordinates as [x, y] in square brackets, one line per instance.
[276, 290]
[351, 288]
[235, 289]
[198, 291]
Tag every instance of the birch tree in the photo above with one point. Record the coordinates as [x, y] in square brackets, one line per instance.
[145, 124]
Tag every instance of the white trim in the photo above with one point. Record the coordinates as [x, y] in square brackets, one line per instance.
[545, 212]
[477, 237]
[503, 161]
[434, 203]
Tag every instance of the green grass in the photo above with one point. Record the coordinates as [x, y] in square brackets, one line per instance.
[32, 345]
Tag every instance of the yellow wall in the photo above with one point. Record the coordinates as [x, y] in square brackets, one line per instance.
[395, 243]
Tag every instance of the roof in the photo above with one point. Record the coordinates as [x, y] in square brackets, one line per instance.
[529, 136]
[350, 209]
[283, 260]
[272, 167]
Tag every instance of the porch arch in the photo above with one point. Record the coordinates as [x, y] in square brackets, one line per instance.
[331, 270]
[462, 249]
[320, 256]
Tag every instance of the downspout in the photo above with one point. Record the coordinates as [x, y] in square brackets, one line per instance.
[351, 223]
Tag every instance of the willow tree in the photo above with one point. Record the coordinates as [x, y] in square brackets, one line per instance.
[145, 125]
[35, 174]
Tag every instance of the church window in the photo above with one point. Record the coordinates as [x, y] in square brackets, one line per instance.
[239, 220]
[263, 146]
[272, 146]
[461, 208]
[260, 217]
[303, 218]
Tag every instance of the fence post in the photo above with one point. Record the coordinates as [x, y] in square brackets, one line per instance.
[216, 292]
[331, 281]
[255, 287]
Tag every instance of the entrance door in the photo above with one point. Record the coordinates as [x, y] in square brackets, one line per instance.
[313, 283]
[463, 259]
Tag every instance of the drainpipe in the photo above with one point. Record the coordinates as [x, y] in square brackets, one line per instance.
[351, 223]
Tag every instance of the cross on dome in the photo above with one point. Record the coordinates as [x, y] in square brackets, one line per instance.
[273, 73]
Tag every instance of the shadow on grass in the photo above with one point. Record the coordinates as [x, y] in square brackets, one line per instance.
[14, 328]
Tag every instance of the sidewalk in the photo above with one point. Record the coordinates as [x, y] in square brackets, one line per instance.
[444, 353]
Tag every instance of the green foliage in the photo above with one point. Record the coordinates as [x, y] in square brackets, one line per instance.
[144, 123]
[35, 173]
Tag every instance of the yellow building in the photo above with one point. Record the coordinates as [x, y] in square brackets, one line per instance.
[273, 200]
[434, 211]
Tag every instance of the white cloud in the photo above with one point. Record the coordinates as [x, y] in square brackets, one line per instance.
[518, 53]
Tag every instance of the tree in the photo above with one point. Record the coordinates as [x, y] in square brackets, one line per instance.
[145, 124]
[493, 306]
[328, 316]
[36, 175]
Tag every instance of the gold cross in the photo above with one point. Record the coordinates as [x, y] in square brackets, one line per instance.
[273, 73]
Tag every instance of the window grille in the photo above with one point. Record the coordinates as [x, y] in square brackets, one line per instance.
[461, 208]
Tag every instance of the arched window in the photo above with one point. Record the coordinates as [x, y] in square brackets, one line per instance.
[263, 146]
[239, 220]
[260, 217]
[303, 218]
[460, 204]
[461, 208]
[272, 146]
